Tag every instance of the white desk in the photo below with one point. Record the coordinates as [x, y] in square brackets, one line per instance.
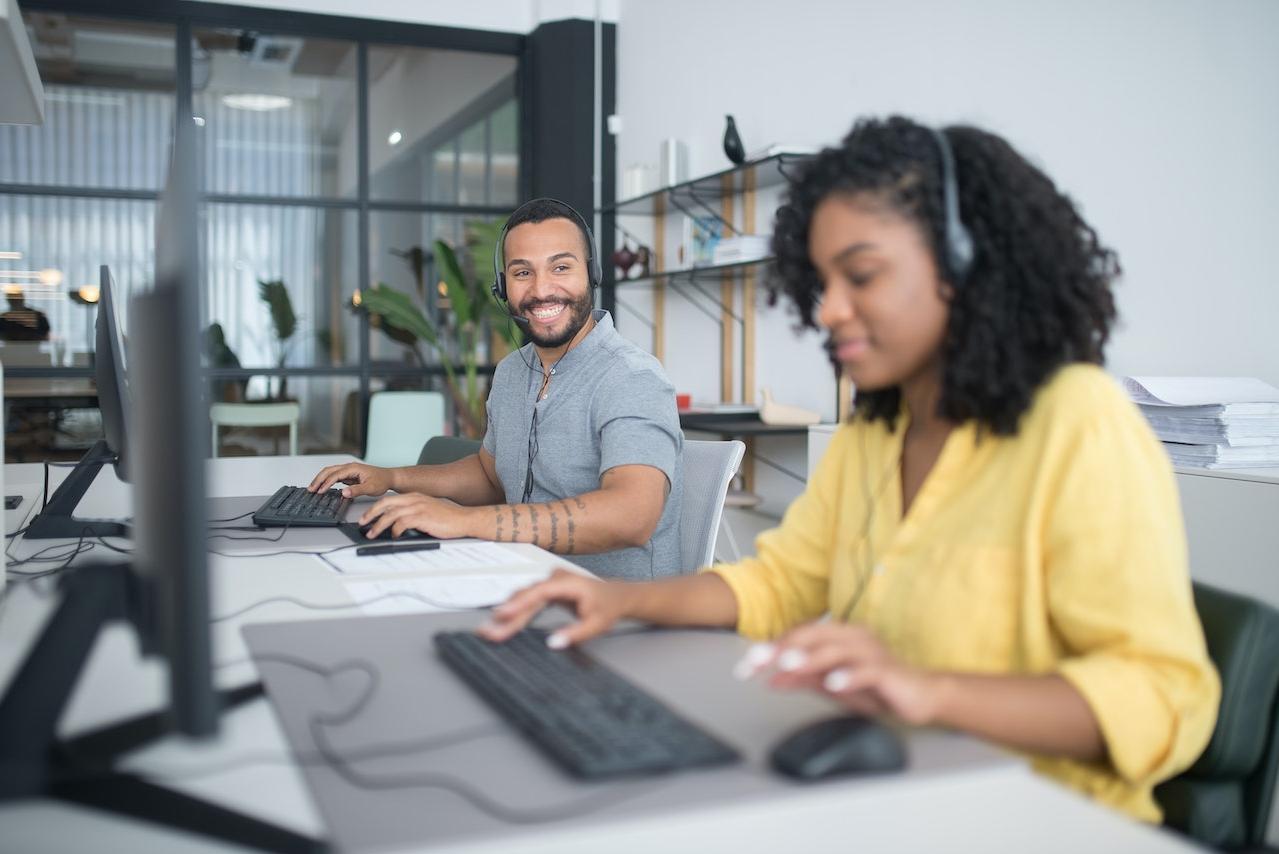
[999, 806]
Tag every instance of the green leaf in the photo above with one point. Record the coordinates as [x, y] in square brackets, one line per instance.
[481, 241]
[455, 281]
[276, 296]
[397, 309]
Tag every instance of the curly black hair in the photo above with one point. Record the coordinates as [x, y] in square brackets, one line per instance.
[1038, 294]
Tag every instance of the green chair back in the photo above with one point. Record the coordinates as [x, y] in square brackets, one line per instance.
[1225, 798]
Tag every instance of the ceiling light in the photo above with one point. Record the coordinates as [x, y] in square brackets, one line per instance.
[395, 137]
[10, 256]
[89, 293]
[50, 276]
[199, 121]
[256, 102]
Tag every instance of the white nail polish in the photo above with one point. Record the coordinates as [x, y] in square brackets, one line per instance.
[557, 641]
[791, 659]
[837, 680]
[755, 658]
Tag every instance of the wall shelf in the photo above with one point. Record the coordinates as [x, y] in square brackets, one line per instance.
[765, 172]
[730, 197]
[716, 271]
[738, 424]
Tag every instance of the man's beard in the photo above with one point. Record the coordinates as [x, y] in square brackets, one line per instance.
[579, 312]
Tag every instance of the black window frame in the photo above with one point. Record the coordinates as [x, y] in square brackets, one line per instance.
[185, 16]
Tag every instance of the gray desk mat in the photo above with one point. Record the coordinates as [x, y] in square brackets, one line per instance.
[416, 699]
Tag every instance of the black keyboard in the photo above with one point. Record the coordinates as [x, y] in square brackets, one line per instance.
[297, 508]
[585, 717]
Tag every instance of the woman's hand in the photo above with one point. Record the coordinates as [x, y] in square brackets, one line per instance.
[852, 665]
[598, 604]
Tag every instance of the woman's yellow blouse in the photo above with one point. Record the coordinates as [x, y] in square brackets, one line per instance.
[1057, 550]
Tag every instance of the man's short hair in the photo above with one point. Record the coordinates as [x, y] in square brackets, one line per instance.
[540, 210]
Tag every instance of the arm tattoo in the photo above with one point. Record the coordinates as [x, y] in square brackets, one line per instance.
[568, 518]
[497, 524]
[532, 519]
[555, 533]
[515, 524]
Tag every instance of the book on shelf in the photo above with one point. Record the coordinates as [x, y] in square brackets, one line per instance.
[741, 248]
[1211, 422]
[781, 148]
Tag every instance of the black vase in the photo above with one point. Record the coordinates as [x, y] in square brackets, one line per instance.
[733, 143]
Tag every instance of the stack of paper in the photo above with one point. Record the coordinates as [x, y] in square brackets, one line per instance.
[1211, 422]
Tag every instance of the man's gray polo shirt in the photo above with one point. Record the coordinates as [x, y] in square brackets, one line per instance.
[609, 404]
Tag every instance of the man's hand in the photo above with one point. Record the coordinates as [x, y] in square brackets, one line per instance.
[437, 517]
[598, 604]
[360, 479]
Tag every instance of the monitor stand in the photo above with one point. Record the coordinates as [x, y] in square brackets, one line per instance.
[82, 770]
[56, 522]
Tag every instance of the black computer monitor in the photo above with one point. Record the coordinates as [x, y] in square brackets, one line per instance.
[164, 592]
[57, 519]
[171, 421]
[109, 370]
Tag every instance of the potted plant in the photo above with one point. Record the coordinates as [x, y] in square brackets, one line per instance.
[284, 322]
[458, 338]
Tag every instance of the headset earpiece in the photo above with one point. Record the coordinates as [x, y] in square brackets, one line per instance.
[958, 247]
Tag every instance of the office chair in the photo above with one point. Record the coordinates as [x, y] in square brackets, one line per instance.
[439, 450]
[265, 414]
[1225, 798]
[708, 469]
[399, 421]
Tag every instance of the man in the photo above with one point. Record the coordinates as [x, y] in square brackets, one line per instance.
[22, 323]
[582, 455]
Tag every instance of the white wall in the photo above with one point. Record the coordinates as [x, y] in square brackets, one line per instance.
[1160, 118]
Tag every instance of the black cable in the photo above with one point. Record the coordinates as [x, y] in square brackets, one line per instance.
[315, 758]
[38, 557]
[463, 789]
[118, 549]
[342, 606]
[274, 539]
[284, 551]
[235, 518]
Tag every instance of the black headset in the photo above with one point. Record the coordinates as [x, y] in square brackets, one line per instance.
[594, 272]
[958, 247]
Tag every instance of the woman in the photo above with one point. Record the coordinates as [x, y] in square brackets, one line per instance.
[994, 538]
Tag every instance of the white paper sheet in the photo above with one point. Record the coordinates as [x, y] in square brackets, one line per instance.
[449, 557]
[423, 595]
[1199, 391]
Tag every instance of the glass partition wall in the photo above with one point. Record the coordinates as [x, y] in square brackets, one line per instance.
[334, 155]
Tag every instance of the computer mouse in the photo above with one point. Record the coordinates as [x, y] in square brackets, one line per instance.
[837, 746]
[409, 534]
